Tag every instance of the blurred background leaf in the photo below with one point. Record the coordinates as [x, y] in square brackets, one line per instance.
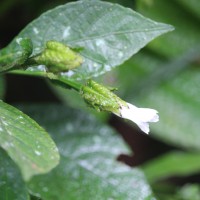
[192, 6]
[189, 192]
[186, 34]
[172, 164]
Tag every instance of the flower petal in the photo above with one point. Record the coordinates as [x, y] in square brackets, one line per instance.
[144, 126]
[141, 116]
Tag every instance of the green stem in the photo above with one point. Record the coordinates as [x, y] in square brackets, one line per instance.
[58, 80]
[76, 86]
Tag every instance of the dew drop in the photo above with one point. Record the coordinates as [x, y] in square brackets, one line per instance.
[107, 67]
[95, 65]
[66, 32]
[41, 67]
[38, 153]
[120, 54]
[100, 42]
[69, 73]
[18, 40]
[35, 30]
[45, 189]
[5, 123]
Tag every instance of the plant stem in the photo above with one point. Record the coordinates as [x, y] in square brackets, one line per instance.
[56, 79]
[66, 83]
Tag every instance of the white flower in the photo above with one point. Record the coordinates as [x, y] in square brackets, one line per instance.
[103, 99]
[141, 116]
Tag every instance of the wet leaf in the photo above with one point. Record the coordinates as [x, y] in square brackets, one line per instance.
[10, 59]
[107, 33]
[26, 142]
[12, 186]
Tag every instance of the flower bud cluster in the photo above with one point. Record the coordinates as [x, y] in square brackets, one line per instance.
[58, 57]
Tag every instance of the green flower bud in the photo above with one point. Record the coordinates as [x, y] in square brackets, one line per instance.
[58, 57]
[100, 97]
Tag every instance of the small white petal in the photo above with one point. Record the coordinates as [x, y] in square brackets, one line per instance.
[144, 126]
[141, 116]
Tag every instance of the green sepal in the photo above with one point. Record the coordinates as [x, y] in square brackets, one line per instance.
[57, 57]
[100, 97]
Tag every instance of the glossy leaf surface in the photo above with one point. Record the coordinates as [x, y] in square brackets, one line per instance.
[107, 34]
[26, 142]
[12, 186]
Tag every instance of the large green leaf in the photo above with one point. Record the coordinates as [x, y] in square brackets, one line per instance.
[172, 164]
[12, 186]
[187, 29]
[26, 142]
[88, 169]
[10, 60]
[108, 34]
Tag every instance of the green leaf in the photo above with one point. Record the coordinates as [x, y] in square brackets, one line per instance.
[172, 164]
[187, 29]
[26, 142]
[12, 186]
[2, 87]
[88, 169]
[107, 33]
[9, 59]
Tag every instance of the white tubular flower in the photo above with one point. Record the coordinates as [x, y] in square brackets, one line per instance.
[140, 116]
[103, 99]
